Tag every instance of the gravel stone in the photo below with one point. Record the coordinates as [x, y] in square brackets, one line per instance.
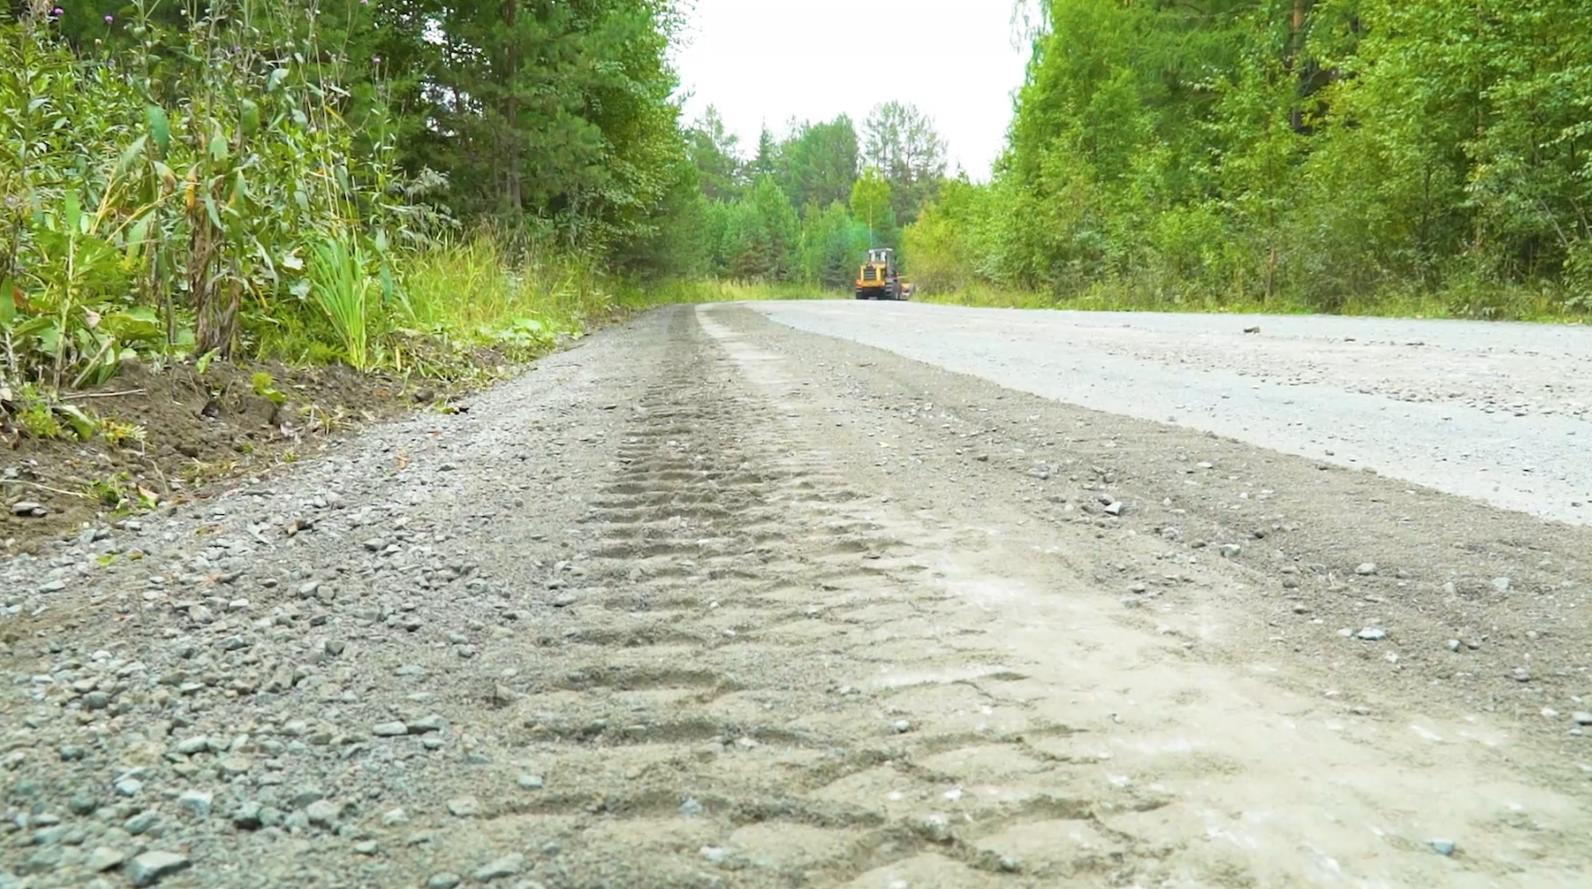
[322, 813]
[196, 803]
[464, 807]
[151, 867]
[498, 868]
[104, 858]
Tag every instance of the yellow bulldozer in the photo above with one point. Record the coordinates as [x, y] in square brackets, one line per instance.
[880, 279]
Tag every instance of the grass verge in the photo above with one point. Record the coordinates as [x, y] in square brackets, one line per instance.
[1490, 303]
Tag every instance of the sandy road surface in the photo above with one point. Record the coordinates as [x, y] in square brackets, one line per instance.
[1499, 412]
[710, 602]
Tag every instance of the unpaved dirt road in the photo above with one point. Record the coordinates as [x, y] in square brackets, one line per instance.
[711, 602]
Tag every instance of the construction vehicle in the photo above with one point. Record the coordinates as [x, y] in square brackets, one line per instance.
[880, 279]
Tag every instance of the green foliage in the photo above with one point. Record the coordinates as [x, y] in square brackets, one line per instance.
[1329, 154]
[165, 195]
[344, 291]
[264, 385]
[569, 115]
[904, 146]
[110, 491]
[871, 204]
[947, 243]
[715, 153]
[38, 420]
[833, 244]
[819, 162]
[119, 434]
[489, 290]
[225, 176]
[803, 209]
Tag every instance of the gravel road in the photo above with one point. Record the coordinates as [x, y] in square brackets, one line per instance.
[707, 601]
[1498, 412]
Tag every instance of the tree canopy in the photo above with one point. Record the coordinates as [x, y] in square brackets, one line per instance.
[1315, 151]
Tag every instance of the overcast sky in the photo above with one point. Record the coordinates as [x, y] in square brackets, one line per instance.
[766, 61]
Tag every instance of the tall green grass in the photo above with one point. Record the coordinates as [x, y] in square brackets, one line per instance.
[344, 292]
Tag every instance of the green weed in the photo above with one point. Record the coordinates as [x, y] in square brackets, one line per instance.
[118, 434]
[110, 492]
[344, 293]
[264, 385]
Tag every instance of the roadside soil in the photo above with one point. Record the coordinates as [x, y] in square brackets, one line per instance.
[707, 602]
[198, 432]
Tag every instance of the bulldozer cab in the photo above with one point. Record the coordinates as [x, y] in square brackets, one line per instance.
[883, 256]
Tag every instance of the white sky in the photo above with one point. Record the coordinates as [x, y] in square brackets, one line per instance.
[766, 61]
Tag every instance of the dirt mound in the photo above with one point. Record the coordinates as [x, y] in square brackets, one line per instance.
[192, 429]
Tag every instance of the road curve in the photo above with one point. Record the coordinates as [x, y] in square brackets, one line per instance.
[1492, 411]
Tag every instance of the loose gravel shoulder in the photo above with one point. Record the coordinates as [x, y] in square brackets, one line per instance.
[709, 602]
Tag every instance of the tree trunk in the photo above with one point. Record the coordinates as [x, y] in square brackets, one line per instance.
[513, 194]
[1296, 40]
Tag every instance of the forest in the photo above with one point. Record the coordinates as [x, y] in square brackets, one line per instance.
[1292, 155]
[391, 184]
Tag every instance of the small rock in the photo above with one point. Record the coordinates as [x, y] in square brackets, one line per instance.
[1231, 550]
[196, 803]
[389, 729]
[29, 509]
[1502, 584]
[1372, 634]
[82, 804]
[192, 746]
[1581, 717]
[1365, 569]
[104, 858]
[901, 726]
[1114, 508]
[531, 782]
[365, 847]
[322, 813]
[432, 723]
[1454, 645]
[444, 881]
[1521, 674]
[1443, 847]
[142, 823]
[464, 807]
[507, 866]
[247, 816]
[235, 765]
[151, 867]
